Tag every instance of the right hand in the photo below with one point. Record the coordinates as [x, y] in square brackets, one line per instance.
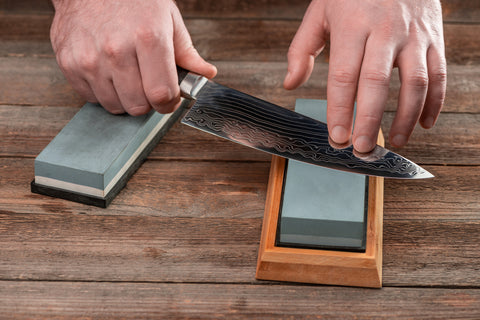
[123, 55]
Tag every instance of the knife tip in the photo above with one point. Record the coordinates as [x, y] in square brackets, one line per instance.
[423, 174]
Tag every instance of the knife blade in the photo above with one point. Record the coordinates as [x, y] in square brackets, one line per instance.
[261, 125]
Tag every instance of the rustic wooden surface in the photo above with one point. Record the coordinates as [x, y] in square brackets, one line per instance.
[181, 240]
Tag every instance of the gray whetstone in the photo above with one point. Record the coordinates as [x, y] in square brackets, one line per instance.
[322, 207]
[96, 151]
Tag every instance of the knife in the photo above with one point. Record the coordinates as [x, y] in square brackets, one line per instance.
[261, 125]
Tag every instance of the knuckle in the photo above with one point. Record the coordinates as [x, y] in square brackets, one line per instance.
[147, 36]
[436, 98]
[114, 50]
[388, 30]
[344, 78]
[161, 95]
[439, 75]
[89, 62]
[370, 118]
[64, 60]
[418, 79]
[377, 78]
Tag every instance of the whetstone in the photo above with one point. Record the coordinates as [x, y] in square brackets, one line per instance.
[336, 235]
[97, 152]
[322, 207]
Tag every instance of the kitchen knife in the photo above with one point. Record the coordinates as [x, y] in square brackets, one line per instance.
[261, 125]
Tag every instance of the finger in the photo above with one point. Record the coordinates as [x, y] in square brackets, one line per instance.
[69, 69]
[372, 93]
[307, 44]
[346, 55]
[127, 82]
[186, 56]
[106, 95]
[81, 87]
[437, 85]
[412, 65]
[156, 61]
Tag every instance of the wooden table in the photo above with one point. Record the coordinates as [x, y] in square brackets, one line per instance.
[181, 240]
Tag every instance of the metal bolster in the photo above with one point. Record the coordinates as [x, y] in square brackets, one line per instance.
[192, 84]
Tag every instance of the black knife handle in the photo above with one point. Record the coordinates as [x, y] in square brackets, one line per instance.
[182, 73]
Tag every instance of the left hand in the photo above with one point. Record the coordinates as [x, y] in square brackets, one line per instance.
[368, 39]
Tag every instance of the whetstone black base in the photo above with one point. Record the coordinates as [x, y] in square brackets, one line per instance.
[72, 196]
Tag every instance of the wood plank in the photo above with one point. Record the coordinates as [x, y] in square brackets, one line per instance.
[453, 10]
[452, 141]
[74, 247]
[47, 300]
[165, 187]
[452, 194]
[461, 43]
[26, 131]
[240, 190]
[200, 221]
[269, 41]
[30, 6]
[461, 11]
[25, 80]
[412, 248]
[39, 81]
[63, 247]
[25, 26]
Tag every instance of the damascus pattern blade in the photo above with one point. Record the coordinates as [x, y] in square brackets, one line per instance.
[261, 125]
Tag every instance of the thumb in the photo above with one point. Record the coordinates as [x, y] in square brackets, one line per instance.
[186, 56]
[307, 44]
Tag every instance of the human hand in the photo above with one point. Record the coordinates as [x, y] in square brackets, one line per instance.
[368, 38]
[123, 54]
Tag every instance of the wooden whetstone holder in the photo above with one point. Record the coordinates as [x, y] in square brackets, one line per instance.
[361, 269]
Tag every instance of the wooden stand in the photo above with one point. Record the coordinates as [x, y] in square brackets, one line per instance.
[362, 269]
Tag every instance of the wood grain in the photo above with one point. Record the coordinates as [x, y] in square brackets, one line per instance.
[238, 189]
[84, 247]
[38, 81]
[74, 300]
[411, 249]
[453, 10]
[181, 240]
[163, 227]
[224, 39]
[158, 188]
[452, 194]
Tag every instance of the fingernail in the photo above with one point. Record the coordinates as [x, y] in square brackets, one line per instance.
[286, 81]
[363, 144]
[428, 122]
[339, 134]
[399, 140]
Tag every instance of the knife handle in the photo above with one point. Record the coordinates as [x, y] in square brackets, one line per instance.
[190, 83]
[182, 73]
